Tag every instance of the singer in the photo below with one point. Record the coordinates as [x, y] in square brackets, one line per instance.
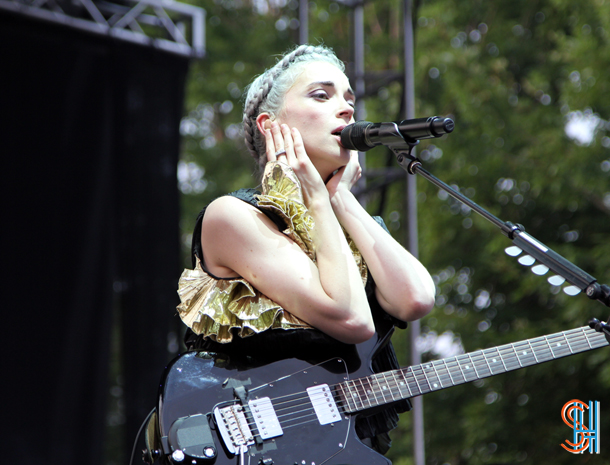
[299, 270]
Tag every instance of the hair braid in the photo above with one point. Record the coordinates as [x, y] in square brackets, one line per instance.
[266, 93]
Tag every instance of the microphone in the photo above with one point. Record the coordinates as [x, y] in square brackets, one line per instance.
[364, 135]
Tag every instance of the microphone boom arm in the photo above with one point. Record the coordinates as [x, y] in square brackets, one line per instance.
[516, 232]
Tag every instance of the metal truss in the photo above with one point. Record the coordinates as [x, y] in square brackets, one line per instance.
[162, 24]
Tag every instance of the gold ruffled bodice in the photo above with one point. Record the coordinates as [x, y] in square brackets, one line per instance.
[213, 307]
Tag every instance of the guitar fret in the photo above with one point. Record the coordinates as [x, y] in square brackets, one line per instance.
[516, 355]
[448, 372]
[507, 357]
[533, 352]
[355, 396]
[567, 341]
[470, 370]
[390, 388]
[432, 385]
[416, 387]
[381, 388]
[578, 341]
[440, 381]
[545, 351]
[525, 353]
[394, 385]
[440, 370]
[548, 344]
[421, 391]
[483, 368]
[502, 358]
[484, 353]
[494, 361]
[407, 376]
[447, 368]
[587, 338]
[454, 367]
[427, 380]
[347, 398]
[366, 392]
[559, 346]
[399, 384]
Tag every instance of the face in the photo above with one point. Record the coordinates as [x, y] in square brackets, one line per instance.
[320, 104]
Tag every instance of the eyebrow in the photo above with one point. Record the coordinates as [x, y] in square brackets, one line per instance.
[331, 84]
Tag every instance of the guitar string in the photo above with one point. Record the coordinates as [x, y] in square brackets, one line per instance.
[510, 356]
[477, 357]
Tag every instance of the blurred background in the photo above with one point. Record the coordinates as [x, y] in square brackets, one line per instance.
[122, 120]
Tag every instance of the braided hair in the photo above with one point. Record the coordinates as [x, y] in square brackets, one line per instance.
[266, 93]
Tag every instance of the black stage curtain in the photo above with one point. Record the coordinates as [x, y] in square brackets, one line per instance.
[90, 214]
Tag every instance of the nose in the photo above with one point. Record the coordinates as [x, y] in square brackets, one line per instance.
[346, 111]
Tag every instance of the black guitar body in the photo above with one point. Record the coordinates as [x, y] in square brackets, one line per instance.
[214, 410]
[198, 383]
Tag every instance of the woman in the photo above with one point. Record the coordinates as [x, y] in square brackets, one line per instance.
[282, 274]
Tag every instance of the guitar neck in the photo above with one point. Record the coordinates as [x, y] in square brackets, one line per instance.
[391, 386]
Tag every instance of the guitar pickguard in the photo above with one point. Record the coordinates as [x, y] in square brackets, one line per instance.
[294, 399]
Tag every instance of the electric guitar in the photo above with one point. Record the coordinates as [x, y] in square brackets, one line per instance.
[293, 413]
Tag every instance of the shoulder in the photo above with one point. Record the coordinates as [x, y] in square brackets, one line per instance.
[230, 231]
[229, 217]
[229, 210]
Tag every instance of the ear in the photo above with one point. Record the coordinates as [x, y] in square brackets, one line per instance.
[263, 121]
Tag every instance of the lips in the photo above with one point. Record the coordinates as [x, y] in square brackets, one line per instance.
[337, 131]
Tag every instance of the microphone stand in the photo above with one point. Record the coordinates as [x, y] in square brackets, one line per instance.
[402, 148]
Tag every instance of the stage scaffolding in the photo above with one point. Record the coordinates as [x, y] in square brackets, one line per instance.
[163, 24]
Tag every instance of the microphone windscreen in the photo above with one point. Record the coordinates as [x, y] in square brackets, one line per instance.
[353, 137]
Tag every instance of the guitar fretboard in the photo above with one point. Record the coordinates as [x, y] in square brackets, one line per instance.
[391, 386]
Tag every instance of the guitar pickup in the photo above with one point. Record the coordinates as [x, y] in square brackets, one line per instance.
[323, 404]
[265, 418]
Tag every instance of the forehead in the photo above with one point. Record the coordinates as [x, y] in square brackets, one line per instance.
[318, 72]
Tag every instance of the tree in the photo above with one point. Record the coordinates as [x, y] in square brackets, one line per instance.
[511, 74]
[517, 77]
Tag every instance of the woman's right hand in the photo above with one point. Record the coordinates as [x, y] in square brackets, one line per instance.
[281, 137]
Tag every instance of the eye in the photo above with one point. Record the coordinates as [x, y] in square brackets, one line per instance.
[320, 94]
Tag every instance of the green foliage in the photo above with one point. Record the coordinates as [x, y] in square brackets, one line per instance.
[512, 74]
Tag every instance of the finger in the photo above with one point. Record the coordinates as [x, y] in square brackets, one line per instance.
[278, 137]
[299, 146]
[270, 146]
[288, 143]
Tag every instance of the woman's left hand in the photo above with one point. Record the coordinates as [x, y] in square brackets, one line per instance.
[346, 177]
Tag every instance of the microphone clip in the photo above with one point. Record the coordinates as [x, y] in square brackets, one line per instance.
[403, 152]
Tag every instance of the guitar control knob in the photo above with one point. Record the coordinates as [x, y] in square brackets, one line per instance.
[178, 455]
[265, 462]
[209, 452]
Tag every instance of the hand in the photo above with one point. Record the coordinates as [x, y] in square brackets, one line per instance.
[346, 177]
[280, 138]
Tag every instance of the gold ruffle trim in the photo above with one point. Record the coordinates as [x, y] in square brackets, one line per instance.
[213, 307]
[282, 195]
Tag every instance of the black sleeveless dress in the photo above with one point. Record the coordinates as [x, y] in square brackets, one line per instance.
[308, 344]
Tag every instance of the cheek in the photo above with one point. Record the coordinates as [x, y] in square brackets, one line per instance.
[311, 121]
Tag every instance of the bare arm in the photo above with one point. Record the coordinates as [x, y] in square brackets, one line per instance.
[240, 240]
[404, 287]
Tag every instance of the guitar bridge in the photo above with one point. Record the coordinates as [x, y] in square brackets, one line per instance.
[234, 428]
